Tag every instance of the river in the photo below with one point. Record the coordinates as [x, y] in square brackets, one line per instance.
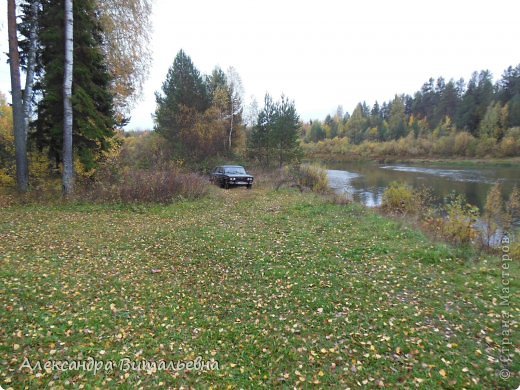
[366, 182]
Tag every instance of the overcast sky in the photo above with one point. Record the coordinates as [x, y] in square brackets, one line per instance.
[327, 53]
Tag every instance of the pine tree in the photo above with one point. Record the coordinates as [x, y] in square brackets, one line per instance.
[184, 95]
[92, 102]
[261, 141]
[276, 132]
[285, 132]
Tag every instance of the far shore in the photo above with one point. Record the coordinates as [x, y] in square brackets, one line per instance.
[456, 161]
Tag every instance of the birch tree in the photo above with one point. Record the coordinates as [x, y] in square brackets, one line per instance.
[235, 101]
[31, 63]
[127, 30]
[68, 168]
[20, 136]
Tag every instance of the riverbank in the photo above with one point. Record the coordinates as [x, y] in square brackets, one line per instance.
[281, 288]
[459, 162]
[455, 162]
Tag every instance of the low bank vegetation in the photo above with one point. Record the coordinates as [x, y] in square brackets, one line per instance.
[456, 145]
[455, 220]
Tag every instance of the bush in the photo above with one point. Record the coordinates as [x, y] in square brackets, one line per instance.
[457, 227]
[513, 208]
[485, 147]
[143, 186]
[463, 142]
[399, 198]
[304, 176]
[514, 250]
[509, 147]
[494, 215]
[313, 177]
[5, 179]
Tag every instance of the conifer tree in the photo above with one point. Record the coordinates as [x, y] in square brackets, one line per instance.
[92, 102]
[184, 95]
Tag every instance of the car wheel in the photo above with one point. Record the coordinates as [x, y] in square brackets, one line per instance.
[226, 185]
[249, 186]
[222, 185]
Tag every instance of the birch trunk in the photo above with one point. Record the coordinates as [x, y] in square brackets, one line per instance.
[31, 63]
[22, 170]
[231, 123]
[68, 168]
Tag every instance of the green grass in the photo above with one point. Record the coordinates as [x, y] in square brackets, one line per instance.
[282, 288]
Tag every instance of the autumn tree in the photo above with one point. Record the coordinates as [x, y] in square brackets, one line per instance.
[7, 153]
[357, 124]
[495, 121]
[397, 121]
[236, 91]
[126, 31]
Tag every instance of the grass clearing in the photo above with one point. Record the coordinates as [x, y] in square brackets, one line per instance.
[281, 288]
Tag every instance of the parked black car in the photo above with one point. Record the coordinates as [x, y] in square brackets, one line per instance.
[231, 175]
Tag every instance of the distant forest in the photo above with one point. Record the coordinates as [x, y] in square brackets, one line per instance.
[480, 108]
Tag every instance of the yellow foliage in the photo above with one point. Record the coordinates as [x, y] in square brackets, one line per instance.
[314, 177]
[6, 144]
[399, 198]
[5, 179]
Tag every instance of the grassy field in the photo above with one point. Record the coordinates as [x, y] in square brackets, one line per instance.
[281, 288]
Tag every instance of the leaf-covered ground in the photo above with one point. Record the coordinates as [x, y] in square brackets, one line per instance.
[282, 289]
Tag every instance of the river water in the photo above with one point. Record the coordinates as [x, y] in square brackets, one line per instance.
[366, 182]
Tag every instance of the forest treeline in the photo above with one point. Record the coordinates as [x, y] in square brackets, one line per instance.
[68, 120]
[84, 64]
[201, 117]
[453, 118]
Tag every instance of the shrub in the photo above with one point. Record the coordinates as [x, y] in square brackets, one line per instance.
[399, 198]
[508, 147]
[494, 216]
[304, 176]
[313, 177]
[457, 227]
[143, 186]
[513, 207]
[514, 250]
[485, 147]
[463, 141]
[5, 179]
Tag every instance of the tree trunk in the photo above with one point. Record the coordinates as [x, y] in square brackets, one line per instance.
[31, 63]
[68, 168]
[20, 141]
[231, 122]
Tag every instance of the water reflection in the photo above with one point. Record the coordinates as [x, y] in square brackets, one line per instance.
[366, 182]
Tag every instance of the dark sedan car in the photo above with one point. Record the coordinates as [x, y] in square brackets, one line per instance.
[231, 175]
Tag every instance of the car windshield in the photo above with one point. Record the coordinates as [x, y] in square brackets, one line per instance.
[236, 171]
